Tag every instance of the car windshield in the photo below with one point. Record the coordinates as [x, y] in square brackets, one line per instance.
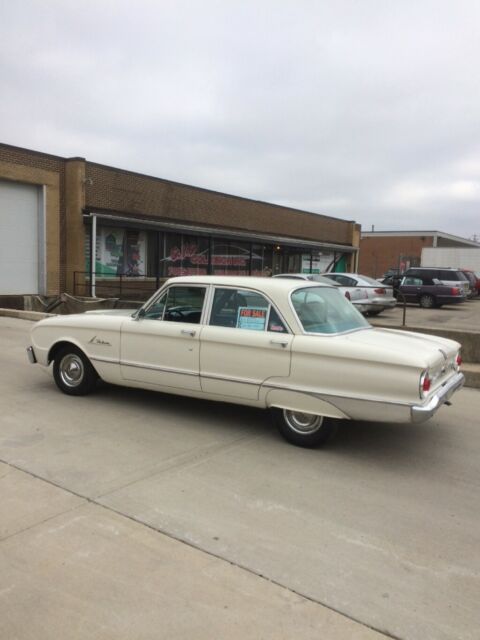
[324, 310]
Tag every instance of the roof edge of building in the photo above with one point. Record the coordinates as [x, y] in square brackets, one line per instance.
[399, 234]
[174, 182]
[218, 193]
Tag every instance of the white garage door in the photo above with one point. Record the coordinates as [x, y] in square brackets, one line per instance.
[21, 229]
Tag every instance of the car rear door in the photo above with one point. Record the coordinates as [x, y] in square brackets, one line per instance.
[244, 344]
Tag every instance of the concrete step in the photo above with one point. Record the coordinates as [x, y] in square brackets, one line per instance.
[471, 371]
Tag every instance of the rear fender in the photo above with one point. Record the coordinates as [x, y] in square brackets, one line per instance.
[303, 402]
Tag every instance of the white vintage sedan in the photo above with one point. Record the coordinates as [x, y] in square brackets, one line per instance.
[299, 349]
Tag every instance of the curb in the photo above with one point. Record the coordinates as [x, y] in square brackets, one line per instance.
[25, 315]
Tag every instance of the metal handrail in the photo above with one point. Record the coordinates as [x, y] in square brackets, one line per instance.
[129, 284]
[114, 285]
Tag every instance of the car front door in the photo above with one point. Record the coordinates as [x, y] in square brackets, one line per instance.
[161, 346]
[411, 288]
[244, 344]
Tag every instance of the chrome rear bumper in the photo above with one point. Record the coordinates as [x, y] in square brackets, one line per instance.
[31, 355]
[420, 413]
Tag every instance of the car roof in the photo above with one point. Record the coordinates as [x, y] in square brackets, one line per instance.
[269, 285]
[308, 277]
[436, 268]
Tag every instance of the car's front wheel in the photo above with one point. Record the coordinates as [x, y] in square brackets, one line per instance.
[73, 373]
[304, 429]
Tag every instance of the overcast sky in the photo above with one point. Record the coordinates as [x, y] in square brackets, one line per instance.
[366, 110]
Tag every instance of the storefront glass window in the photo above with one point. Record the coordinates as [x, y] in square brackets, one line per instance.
[120, 252]
[261, 260]
[184, 255]
[152, 253]
[230, 257]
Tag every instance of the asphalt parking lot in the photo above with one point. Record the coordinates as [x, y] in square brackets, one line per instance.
[130, 514]
[461, 317]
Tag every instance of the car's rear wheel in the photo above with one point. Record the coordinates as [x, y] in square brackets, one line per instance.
[304, 429]
[73, 372]
[426, 301]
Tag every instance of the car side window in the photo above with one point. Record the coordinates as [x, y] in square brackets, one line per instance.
[178, 304]
[345, 281]
[156, 309]
[275, 323]
[244, 309]
[410, 281]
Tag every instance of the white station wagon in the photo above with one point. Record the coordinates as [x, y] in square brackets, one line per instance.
[297, 348]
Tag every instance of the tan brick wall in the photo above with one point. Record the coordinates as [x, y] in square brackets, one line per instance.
[125, 192]
[75, 227]
[30, 167]
[72, 184]
[378, 254]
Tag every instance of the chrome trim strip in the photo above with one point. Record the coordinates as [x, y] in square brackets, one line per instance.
[137, 365]
[420, 413]
[107, 360]
[209, 376]
[184, 372]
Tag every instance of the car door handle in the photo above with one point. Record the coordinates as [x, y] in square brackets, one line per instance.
[188, 332]
[282, 343]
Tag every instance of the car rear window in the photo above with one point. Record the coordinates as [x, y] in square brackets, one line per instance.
[325, 310]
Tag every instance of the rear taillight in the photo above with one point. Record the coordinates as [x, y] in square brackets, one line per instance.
[347, 295]
[380, 292]
[425, 384]
[455, 291]
[458, 360]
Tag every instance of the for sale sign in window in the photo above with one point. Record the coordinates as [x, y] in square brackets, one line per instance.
[252, 318]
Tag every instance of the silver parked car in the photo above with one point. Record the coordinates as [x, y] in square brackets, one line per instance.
[379, 296]
[357, 296]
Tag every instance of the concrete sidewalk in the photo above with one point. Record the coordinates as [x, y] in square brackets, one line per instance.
[71, 568]
[133, 514]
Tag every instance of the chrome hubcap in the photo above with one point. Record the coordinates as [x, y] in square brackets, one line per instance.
[302, 422]
[71, 370]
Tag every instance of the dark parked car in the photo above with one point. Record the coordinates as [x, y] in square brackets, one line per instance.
[394, 281]
[414, 289]
[439, 275]
[474, 282]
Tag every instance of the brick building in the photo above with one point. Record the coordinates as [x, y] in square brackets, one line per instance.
[384, 250]
[57, 212]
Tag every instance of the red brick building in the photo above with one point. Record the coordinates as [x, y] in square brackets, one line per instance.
[384, 250]
[56, 212]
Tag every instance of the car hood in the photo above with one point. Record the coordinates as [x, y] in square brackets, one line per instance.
[112, 312]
